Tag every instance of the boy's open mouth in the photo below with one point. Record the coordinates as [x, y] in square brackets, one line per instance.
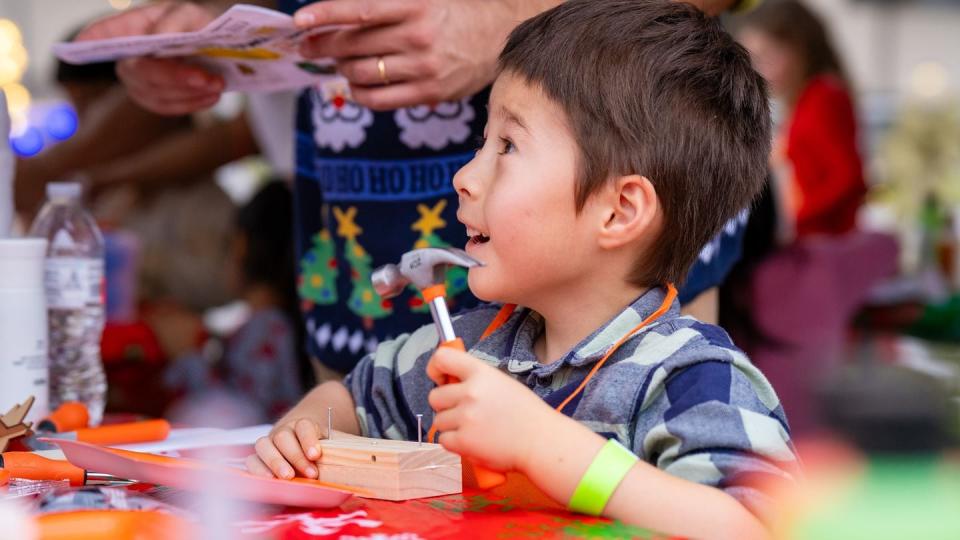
[477, 237]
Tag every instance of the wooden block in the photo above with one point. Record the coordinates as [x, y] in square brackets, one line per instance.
[391, 470]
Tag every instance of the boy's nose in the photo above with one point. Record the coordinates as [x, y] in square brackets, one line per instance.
[465, 181]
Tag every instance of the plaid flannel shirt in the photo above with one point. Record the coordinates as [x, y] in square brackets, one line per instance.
[678, 393]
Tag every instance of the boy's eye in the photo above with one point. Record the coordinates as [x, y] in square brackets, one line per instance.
[506, 147]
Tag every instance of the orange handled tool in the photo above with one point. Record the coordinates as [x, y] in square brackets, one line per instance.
[474, 475]
[34, 467]
[132, 432]
[426, 269]
[68, 417]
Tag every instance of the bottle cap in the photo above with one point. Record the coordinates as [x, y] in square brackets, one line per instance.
[64, 190]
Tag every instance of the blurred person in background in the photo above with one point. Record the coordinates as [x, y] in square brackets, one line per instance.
[806, 269]
[818, 172]
[262, 364]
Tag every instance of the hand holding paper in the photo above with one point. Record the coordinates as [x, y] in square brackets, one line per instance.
[176, 57]
[161, 86]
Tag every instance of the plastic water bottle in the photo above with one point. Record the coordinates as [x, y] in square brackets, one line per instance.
[73, 279]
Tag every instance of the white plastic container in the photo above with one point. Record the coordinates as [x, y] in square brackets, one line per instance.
[23, 326]
[6, 172]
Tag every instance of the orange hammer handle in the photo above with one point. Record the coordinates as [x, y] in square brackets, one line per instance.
[453, 344]
[33, 467]
[133, 432]
[474, 475]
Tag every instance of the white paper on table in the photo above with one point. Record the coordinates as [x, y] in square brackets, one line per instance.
[195, 438]
[254, 49]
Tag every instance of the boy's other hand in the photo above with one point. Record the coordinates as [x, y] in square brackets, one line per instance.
[161, 85]
[486, 415]
[294, 443]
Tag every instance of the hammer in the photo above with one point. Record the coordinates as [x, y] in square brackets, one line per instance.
[426, 270]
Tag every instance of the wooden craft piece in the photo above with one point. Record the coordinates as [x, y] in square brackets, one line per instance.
[390, 470]
[12, 424]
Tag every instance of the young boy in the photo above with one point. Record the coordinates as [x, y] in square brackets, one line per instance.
[622, 135]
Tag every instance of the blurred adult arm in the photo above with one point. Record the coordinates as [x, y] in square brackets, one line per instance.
[96, 141]
[183, 156]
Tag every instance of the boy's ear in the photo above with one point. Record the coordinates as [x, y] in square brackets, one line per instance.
[631, 209]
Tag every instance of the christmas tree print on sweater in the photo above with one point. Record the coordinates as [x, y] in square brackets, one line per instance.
[456, 277]
[317, 283]
[364, 300]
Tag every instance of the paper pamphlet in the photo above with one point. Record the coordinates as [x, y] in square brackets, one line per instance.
[253, 48]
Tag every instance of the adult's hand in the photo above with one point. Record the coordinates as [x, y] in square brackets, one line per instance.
[164, 86]
[429, 50]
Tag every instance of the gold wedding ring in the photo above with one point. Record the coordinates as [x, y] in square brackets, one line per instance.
[382, 69]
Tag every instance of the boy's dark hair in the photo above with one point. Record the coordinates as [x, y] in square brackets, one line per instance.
[656, 88]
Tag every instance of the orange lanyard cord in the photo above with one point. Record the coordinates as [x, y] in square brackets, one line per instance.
[505, 312]
[664, 307]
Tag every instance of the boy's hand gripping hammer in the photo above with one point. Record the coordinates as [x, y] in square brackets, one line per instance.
[426, 270]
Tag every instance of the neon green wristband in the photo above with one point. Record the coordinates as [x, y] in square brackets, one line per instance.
[608, 469]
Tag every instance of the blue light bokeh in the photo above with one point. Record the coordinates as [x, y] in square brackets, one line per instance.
[61, 122]
[29, 143]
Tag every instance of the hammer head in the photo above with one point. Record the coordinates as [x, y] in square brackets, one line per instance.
[422, 267]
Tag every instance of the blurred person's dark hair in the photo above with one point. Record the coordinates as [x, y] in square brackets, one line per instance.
[266, 225]
[795, 25]
[97, 72]
[85, 82]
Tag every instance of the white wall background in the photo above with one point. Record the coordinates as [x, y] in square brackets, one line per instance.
[883, 44]
[43, 23]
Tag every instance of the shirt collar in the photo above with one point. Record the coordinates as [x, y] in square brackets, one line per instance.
[592, 348]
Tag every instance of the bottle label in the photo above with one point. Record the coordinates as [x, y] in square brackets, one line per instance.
[73, 282]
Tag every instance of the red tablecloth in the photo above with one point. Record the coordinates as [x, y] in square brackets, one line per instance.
[515, 510]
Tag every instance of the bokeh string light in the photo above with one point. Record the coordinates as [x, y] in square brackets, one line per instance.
[31, 127]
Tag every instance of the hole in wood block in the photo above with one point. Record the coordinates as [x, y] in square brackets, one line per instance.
[373, 458]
